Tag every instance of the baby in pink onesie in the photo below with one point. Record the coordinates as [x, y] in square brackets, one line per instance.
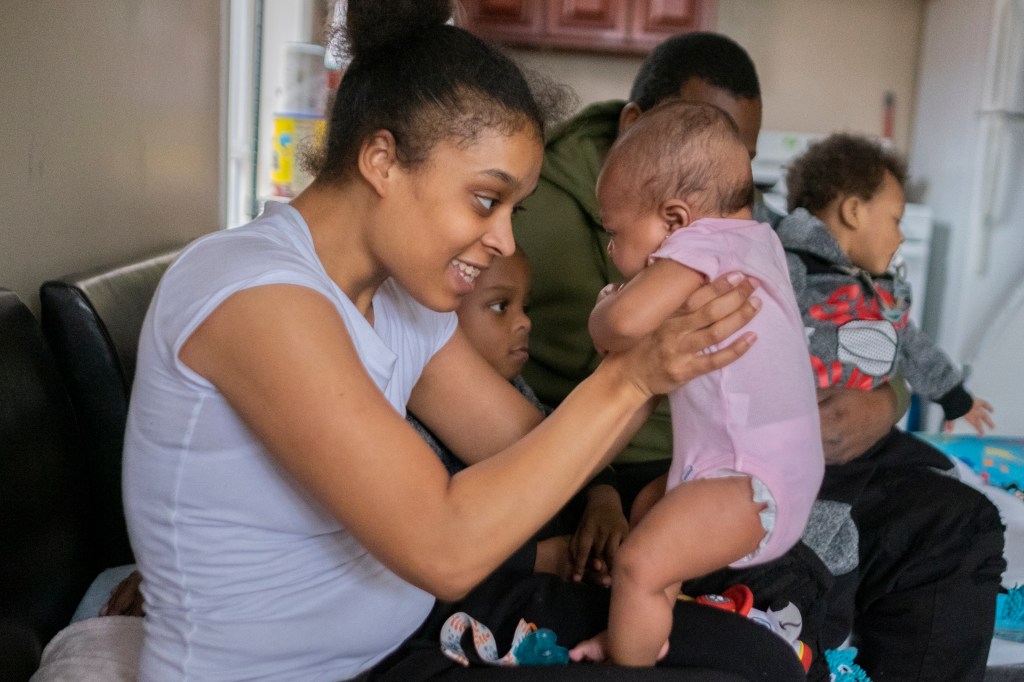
[675, 195]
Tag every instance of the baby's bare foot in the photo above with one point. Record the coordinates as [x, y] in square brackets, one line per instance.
[592, 649]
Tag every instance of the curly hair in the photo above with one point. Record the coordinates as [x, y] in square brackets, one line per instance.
[840, 165]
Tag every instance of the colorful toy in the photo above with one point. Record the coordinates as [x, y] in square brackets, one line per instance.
[1010, 615]
[785, 622]
[540, 648]
[999, 460]
[530, 645]
[842, 667]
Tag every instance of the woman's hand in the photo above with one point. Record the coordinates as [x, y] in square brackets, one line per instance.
[853, 420]
[602, 529]
[126, 598]
[678, 350]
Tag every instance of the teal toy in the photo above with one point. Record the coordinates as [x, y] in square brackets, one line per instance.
[540, 648]
[842, 667]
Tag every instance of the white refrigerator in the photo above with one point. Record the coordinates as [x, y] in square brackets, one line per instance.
[968, 152]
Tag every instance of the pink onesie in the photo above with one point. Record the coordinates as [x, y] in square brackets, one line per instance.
[759, 415]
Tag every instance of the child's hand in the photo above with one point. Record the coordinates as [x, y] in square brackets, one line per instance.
[126, 598]
[602, 529]
[553, 556]
[647, 498]
[978, 417]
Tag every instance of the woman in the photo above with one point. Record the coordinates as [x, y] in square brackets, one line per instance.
[288, 522]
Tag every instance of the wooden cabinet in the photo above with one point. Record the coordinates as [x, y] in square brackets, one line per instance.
[630, 26]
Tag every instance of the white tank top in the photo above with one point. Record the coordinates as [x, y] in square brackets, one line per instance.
[245, 576]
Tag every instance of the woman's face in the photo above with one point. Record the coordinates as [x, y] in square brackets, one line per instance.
[493, 315]
[450, 217]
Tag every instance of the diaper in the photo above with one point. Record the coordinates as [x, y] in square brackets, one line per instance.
[761, 495]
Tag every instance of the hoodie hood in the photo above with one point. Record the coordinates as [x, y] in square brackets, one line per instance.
[801, 231]
[576, 150]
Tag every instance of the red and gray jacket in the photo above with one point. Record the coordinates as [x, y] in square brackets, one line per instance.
[859, 331]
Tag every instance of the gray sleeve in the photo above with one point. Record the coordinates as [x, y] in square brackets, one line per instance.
[925, 366]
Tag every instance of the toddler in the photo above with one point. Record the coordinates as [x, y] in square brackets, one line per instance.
[675, 196]
[846, 201]
[585, 535]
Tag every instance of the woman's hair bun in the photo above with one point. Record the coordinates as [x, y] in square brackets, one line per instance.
[374, 24]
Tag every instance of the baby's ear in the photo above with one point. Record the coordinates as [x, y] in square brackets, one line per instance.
[676, 214]
[850, 209]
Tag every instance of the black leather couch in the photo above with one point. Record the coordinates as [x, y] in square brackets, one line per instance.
[44, 569]
[92, 321]
[64, 390]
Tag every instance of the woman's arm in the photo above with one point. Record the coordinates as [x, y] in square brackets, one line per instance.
[458, 377]
[622, 317]
[295, 378]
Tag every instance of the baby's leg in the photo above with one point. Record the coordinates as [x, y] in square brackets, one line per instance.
[699, 526]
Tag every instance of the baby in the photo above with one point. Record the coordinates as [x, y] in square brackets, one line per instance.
[675, 196]
[846, 201]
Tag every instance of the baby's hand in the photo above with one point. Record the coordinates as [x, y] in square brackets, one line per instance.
[607, 291]
[978, 417]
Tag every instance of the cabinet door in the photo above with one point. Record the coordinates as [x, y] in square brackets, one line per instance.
[506, 21]
[655, 20]
[591, 24]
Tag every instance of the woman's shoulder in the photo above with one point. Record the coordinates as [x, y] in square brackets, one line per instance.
[275, 244]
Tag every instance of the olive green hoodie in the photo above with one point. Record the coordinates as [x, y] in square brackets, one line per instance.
[561, 233]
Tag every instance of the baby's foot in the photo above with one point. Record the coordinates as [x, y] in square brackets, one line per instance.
[596, 649]
[592, 649]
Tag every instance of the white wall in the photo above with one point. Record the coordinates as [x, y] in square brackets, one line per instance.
[111, 115]
[824, 64]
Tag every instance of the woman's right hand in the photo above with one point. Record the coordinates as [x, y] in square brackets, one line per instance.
[713, 313]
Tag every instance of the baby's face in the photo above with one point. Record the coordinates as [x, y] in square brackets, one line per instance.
[878, 235]
[493, 315]
[635, 231]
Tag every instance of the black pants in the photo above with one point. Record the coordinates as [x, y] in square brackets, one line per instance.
[705, 645]
[921, 603]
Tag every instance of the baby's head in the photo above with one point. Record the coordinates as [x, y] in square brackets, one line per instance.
[493, 315]
[681, 161]
[855, 186]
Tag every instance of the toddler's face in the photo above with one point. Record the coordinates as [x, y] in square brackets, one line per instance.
[634, 231]
[879, 235]
[493, 315]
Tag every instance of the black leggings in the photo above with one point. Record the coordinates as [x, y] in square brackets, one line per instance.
[706, 644]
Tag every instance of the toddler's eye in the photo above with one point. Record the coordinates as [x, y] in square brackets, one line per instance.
[518, 208]
[487, 202]
[499, 307]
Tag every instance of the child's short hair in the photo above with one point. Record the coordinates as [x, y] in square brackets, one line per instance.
[840, 165]
[714, 58]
